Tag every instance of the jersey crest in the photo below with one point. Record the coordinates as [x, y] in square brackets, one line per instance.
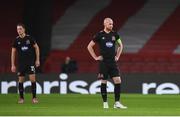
[27, 42]
[19, 42]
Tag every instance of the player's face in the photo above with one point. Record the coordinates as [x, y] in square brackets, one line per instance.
[20, 30]
[109, 25]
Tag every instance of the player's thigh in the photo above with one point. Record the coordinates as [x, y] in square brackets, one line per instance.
[103, 71]
[32, 77]
[115, 74]
[21, 73]
[31, 72]
[116, 79]
[31, 69]
[102, 67]
[102, 76]
[103, 81]
[21, 79]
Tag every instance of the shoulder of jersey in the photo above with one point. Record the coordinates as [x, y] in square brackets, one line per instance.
[17, 37]
[114, 31]
[100, 31]
[28, 37]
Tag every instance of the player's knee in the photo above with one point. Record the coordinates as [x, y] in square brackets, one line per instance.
[33, 79]
[117, 80]
[21, 79]
[104, 81]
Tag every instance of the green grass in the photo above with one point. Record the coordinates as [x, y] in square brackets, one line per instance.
[76, 104]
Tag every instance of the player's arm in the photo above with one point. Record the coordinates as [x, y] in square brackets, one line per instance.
[37, 52]
[91, 51]
[119, 49]
[13, 57]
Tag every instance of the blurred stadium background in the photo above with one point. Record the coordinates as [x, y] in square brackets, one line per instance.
[150, 32]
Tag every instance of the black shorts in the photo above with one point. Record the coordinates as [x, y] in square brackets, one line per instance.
[26, 69]
[107, 70]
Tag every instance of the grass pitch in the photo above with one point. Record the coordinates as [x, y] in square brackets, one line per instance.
[85, 105]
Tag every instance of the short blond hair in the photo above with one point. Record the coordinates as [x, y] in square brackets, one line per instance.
[107, 19]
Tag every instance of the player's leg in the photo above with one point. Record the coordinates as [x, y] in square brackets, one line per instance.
[117, 87]
[114, 74]
[21, 88]
[104, 93]
[32, 78]
[21, 76]
[117, 92]
[103, 76]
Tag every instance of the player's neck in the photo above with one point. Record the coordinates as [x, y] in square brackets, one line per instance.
[106, 30]
[22, 35]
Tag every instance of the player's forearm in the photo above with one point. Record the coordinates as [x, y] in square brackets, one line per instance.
[13, 58]
[91, 51]
[37, 51]
[119, 51]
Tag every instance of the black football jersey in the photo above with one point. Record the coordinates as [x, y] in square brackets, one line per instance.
[25, 50]
[107, 44]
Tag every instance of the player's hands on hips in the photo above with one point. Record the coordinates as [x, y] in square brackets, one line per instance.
[37, 63]
[99, 58]
[13, 68]
[116, 58]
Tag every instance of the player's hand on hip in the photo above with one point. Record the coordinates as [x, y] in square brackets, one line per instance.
[116, 58]
[99, 58]
[37, 63]
[13, 68]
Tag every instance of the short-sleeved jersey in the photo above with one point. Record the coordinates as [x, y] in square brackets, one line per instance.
[25, 50]
[107, 44]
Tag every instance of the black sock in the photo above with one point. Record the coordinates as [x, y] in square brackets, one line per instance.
[117, 91]
[21, 90]
[33, 89]
[104, 92]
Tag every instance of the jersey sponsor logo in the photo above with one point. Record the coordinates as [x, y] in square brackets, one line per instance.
[109, 44]
[24, 48]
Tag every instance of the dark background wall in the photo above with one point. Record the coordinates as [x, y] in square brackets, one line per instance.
[38, 20]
